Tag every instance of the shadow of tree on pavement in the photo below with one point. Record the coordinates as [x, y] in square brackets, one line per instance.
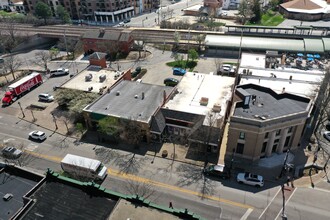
[193, 175]
[106, 155]
[129, 163]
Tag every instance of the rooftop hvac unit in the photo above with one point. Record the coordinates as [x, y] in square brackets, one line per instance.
[88, 77]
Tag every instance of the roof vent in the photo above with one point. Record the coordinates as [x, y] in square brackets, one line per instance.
[204, 101]
[118, 93]
[256, 116]
[216, 107]
[260, 105]
[136, 96]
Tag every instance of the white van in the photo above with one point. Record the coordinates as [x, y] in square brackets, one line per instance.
[82, 167]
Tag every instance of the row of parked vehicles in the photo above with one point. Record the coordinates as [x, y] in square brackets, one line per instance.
[222, 172]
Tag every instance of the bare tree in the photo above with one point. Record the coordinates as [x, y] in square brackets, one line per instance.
[132, 131]
[11, 64]
[177, 39]
[44, 57]
[142, 188]
[71, 45]
[200, 38]
[245, 11]
[218, 64]
[322, 107]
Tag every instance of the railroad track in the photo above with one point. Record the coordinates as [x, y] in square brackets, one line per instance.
[143, 34]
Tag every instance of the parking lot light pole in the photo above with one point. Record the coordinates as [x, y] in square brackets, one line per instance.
[54, 119]
[21, 109]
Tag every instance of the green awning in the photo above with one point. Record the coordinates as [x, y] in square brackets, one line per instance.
[313, 45]
[326, 43]
[256, 43]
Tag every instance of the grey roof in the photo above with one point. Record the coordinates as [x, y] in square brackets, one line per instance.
[17, 183]
[55, 200]
[114, 35]
[314, 45]
[125, 101]
[97, 56]
[158, 123]
[268, 104]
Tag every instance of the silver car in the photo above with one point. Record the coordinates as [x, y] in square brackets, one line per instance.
[45, 97]
[11, 152]
[250, 179]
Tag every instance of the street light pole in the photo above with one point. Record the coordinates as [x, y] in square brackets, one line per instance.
[21, 109]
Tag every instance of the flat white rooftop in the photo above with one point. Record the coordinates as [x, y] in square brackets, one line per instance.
[78, 82]
[195, 86]
[303, 82]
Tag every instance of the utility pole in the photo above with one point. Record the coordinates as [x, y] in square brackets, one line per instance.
[66, 45]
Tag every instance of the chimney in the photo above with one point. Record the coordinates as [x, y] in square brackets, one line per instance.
[283, 90]
[142, 97]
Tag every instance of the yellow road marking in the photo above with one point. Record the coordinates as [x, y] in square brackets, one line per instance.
[152, 182]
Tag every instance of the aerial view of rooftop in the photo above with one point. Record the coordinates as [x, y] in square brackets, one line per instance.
[165, 109]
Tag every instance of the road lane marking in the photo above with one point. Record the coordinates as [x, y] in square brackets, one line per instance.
[247, 213]
[286, 202]
[155, 183]
[269, 204]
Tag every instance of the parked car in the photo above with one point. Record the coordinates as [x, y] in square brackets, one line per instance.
[45, 97]
[326, 135]
[171, 82]
[59, 72]
[11, 152]
[219, 171]
[250, 179]
[37, 135]
[127, 20]
[179, 71]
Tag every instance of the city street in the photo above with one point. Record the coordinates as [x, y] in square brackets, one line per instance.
[181, 183]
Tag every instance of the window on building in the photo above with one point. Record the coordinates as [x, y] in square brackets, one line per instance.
[276, 140]
[30, 2]
[264, 146]
[267, 135]
[290, 130]
[240, 148]
[90, 10]
[242, 135]
[97, 4]
[56, 3]
[89, 4]
[31, 7]
[278, 132]
[287, 141]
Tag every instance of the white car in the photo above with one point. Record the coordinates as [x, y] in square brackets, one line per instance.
[11, 152]
[45, 97]
[59, 72]
[250, 179]
[37, 135]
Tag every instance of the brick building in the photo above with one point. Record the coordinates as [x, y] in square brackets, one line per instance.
[107, 41]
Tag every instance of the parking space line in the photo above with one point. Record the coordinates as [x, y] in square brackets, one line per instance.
[285, 203]
[269, 204]
[246, 215]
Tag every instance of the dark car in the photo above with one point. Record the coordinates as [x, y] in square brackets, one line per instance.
[327, 126]
[179, 71]
[219, 171]
[11, 152]
[171, 82]
[127, 20]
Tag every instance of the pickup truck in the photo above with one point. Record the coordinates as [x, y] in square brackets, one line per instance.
[59, 72]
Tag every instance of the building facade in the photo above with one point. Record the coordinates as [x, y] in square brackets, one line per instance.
[264, 122]
[103, 11]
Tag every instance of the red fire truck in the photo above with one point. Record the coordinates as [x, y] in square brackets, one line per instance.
[21, 87]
